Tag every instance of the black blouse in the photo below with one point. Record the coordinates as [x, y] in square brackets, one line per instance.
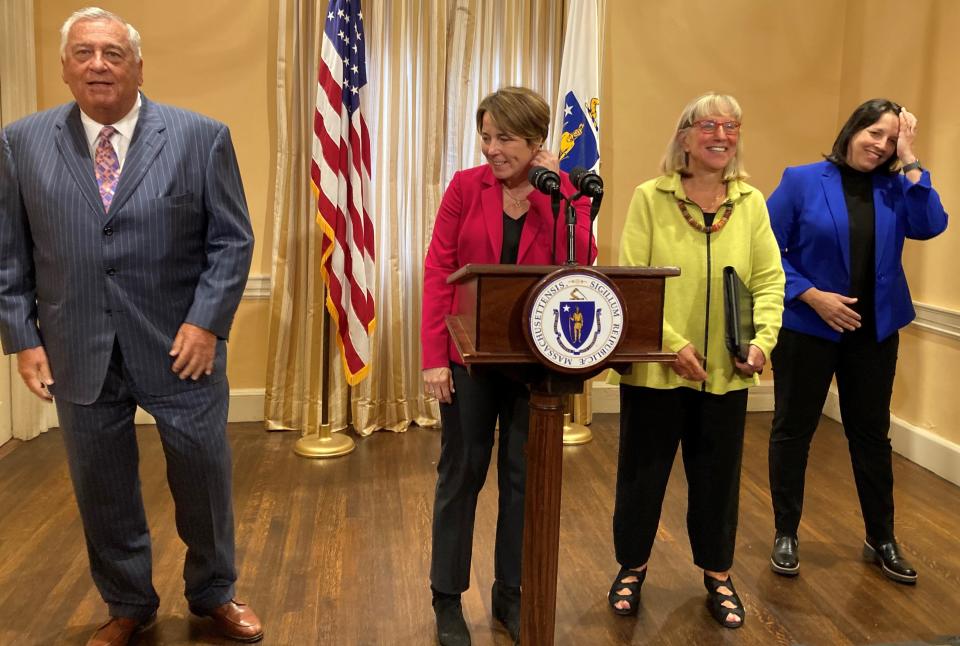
[511, 239]
[858, 193]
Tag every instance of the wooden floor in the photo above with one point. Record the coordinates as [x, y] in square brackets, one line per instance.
[337, 552]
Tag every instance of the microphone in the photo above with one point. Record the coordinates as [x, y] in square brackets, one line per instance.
[586, 182]
[544, 179]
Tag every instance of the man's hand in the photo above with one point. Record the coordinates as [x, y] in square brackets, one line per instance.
[35, 371]
[194, 349]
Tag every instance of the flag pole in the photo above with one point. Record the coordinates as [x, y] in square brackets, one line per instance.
[325, 443]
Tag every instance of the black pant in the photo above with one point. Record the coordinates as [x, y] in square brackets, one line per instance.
[466, 442]
[803, 366]
[710, 430]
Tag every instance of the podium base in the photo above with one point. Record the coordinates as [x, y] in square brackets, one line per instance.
[324, 444]
[574, 434]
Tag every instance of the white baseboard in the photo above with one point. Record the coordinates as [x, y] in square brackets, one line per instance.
[916, 444]
[246, 405]
[606, 398]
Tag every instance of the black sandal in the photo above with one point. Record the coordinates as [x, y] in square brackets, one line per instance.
[716, 599]
[632, 597]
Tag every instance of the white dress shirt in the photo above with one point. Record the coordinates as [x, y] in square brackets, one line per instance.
[120, 139]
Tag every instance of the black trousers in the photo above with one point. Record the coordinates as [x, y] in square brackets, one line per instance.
[466, 444]
[803, 367]
[709, 430]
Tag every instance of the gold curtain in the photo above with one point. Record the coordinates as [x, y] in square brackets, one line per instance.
[22, 415]
[428, 64]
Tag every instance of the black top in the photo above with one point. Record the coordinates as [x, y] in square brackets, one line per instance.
[511, 239]
[708, 219]
[858, 193]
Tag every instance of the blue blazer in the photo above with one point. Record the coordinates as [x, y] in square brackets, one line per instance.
[174, 248]
[808, 213]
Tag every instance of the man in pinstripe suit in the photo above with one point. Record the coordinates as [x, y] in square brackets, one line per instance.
[125, 246]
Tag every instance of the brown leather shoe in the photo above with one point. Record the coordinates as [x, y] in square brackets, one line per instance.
[118, 631]
[234, 620]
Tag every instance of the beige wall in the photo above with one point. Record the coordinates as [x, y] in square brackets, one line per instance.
[215, 57]
[798, 67]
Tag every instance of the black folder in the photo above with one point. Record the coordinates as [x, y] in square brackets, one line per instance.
[738, 314]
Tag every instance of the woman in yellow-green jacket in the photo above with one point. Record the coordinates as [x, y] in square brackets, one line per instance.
[701, 216]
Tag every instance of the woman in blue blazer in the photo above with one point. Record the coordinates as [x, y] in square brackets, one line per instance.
[840, 224]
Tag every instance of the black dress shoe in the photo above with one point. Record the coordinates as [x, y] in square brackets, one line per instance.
[785, 558]
[887, 556]
[451, 628]
[506, 608]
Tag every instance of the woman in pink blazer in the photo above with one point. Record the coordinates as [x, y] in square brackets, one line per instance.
[489, 214]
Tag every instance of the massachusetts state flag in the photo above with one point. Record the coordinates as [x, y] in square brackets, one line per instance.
[576, 132]
[340, 177]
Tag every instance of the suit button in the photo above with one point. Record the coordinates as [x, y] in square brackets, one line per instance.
[108, 231]
[111, 271]
[109, 311]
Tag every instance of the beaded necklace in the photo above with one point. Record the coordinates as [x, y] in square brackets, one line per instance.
[713, 228]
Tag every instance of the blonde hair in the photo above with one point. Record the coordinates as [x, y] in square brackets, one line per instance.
[518, 111]
[676, 159]
[96, 13]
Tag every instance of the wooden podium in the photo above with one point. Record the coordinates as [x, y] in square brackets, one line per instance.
[491, 329]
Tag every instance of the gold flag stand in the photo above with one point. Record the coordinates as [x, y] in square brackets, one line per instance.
[324, 443]
[580, 407]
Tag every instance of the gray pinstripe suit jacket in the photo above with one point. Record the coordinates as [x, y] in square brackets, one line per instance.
[175, 247]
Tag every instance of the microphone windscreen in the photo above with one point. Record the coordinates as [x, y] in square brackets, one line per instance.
[544, 179]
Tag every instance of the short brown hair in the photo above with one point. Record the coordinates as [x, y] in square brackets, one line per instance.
[518, 111]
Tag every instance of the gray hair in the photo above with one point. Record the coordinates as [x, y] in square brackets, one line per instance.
[96, 13]
[675, 158]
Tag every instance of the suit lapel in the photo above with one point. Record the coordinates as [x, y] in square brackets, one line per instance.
[148, 139]
[75, 152]
[837, 205]
[491, 200]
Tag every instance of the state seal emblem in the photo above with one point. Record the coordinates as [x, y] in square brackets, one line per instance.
[575, 319]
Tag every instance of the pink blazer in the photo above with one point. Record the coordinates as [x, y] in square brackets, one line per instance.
[469, 229]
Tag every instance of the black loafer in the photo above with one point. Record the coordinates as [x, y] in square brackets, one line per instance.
[451, 628]
[785, 558]
[887, 556]
[506, 608]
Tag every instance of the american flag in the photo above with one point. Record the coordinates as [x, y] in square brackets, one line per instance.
[340, 176]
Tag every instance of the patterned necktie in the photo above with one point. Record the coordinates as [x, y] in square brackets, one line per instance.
[107, 166]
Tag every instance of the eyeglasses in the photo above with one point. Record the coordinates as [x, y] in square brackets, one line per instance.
[710, 126]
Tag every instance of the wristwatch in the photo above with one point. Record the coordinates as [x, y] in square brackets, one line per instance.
[914, 165]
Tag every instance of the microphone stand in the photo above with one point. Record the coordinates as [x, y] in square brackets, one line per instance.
[594, 212]
[572, 230]
[574, 433]
[555, 198]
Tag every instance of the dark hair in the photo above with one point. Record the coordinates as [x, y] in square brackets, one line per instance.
[865, 115]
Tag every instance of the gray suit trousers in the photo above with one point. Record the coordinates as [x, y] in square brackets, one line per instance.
[103, 457]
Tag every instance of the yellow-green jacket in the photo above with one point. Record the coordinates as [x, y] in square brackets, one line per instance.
[657, 235]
